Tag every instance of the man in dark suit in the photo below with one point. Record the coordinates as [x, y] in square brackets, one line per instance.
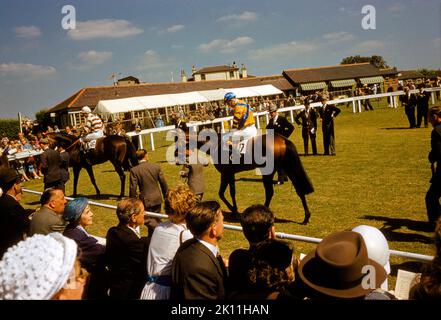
[327, 114]
[283, 127]
[146, 176]
[434, 193]
[409, 101]
[64, 166]
[308, 118]
[198, 271]
[126, 252]
[50, 166]
[423, 98]
[14, 219]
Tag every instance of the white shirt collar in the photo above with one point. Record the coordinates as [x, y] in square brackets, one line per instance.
[136, 231]
[212, 248]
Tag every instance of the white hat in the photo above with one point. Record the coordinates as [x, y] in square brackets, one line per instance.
[86, 109]
[37, 268]
[376, 243]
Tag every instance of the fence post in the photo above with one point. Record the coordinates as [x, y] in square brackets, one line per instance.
[394, 99]
[267, 118]
[353, 106]
[433, 97]
[140, 141]
[291, 113]
[359, 105]
[257, 122]
[152, 141]
[222, 127]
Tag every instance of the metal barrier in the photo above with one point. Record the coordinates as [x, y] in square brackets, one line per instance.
[281, 235]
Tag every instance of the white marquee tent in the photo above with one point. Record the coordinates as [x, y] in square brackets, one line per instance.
[178, 99]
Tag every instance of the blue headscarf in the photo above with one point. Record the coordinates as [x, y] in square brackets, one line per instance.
[74, 209]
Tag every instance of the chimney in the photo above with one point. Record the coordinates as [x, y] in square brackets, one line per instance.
[243, 71]
[183, 76]
[193, 70]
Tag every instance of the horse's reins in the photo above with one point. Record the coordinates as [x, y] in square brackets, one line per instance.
[72, 144]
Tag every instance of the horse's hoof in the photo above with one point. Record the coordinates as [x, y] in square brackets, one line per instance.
[306, 220]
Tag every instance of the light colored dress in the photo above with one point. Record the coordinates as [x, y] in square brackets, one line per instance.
[165, 241]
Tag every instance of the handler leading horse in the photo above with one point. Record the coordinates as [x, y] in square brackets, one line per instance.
[116, 149]
[282, 150]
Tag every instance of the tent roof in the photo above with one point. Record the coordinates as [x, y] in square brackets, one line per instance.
[168, 100]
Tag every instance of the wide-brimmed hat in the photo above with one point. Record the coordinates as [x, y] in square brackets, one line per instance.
[7, 175]
[337, 267]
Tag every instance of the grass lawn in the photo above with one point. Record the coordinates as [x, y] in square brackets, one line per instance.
[379, 178]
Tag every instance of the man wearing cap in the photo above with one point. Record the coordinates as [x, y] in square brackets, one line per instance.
[94, 124]
[243, 120]
[434, 193]
[327, 114]
[283, 127]
[308, 118]
[50, 166]
[14, 219]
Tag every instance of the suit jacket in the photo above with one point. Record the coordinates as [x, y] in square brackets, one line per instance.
[90, 251]
[328, 114]
[435, 153]
[50, 165]
[197, 273]
[14, 222]
[308, 121]
[45, 221]
[64, 166]
[146, 176]
[423, 100]
[282, 126]
[408, 100]
[126, 256]
[196, 178]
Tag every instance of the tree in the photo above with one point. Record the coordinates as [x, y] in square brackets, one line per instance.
[377, 61]
[429, 73]
[43, 118]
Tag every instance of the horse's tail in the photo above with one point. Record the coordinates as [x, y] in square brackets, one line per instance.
[131, 154]
[294, 169]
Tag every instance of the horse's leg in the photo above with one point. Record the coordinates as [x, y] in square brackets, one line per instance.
[92, 179]
[76, 172]
[223, 186]
[269, 188]
[122, 177]
[232, 184]
[305, 207]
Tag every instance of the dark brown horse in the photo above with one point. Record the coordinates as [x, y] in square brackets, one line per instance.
[285, 156]
[116, 149]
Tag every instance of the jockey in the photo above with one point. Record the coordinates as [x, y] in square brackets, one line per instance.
[94, 124]
[244, 126]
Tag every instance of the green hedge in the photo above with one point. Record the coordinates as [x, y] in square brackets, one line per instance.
[9, 128]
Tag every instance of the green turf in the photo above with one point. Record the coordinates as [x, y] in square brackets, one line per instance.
[379, 177]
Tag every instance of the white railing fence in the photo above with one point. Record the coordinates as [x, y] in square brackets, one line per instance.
[403, 254]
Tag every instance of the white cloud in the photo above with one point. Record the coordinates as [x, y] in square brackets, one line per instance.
[151, 60]
[289, 49]
[369, 46]
[27, 32]
[26, 69]
[341, 36]
[246, 16]
[104, 28]
[224, 45]
[95, 57]
[436, 42]
[175, 28]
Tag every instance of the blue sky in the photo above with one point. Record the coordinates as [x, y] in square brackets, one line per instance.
[41, 64]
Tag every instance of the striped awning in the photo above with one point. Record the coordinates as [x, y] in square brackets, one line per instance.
[372, 80]
[343, 83]
[313, 86]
